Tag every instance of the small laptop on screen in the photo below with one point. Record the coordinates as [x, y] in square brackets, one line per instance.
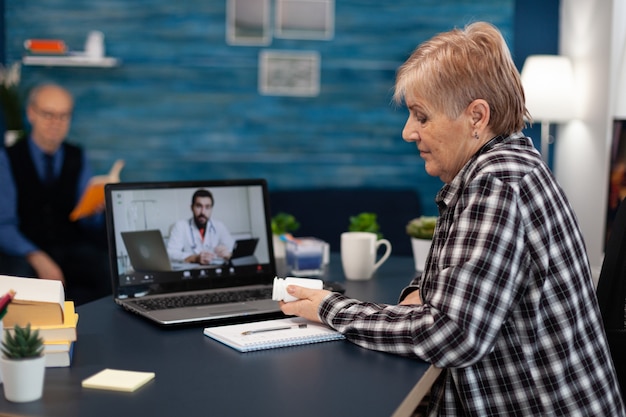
[146, 251]
[150, 281]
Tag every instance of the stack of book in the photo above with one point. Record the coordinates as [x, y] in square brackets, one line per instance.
[42, 303]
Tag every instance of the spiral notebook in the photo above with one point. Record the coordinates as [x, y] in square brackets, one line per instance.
[270, 334]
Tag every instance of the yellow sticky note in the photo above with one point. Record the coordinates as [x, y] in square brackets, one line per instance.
[117, 380]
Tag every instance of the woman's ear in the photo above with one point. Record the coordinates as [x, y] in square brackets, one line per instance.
[480, 112]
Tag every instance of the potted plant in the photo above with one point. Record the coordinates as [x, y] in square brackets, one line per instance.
[11, 104]
[365, 222]
[421, 230]
[23, 364]
[282, 224]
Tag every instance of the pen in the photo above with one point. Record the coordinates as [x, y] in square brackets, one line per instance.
[4, 303]
[271, 329]
[6, 299]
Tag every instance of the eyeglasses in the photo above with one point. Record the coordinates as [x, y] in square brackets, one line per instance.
[50, 116]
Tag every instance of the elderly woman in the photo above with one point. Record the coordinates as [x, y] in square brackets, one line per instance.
[506, 304]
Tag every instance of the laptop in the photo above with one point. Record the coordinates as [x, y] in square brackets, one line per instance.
[146, 251]
[243, 252]
[139, 219]
[244, 247]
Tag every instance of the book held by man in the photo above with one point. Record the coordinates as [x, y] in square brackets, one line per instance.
[92, 199]
[270, 334]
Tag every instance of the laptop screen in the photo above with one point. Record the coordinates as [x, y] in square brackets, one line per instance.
[167, 237]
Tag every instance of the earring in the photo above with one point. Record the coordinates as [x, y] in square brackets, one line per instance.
[476, 135]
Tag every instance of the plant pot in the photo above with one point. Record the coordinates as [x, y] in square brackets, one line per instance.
[279, 247]
[421, 247]
[23, 378]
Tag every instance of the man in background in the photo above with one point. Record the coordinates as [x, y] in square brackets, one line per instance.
[41, 180]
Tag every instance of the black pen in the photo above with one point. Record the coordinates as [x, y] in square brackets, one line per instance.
[271, 329]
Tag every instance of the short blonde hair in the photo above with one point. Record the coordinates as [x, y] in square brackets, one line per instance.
[457, 67]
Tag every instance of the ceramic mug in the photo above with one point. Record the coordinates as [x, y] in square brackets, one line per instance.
[359, 251]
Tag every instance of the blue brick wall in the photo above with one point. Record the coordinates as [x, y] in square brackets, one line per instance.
[183, 104]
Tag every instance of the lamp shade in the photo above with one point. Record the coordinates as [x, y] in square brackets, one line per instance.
[620, 94]
[548, 82]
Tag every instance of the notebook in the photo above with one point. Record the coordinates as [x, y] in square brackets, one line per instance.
[146, 282]
[270, 334]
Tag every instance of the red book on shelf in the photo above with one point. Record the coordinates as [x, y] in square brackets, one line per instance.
[45, 46]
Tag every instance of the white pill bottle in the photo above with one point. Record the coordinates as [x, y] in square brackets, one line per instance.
[279, 292]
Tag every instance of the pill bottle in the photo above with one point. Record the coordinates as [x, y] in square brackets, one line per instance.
[279, 292]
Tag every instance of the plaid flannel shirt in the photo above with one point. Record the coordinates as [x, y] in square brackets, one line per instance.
[509, 308]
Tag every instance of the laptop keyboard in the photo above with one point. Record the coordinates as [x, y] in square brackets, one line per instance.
[191, 300]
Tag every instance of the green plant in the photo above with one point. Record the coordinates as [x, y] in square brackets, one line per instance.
[284, 223]
[422, 227]
[23, 343]
[365, 222]
[10, 99]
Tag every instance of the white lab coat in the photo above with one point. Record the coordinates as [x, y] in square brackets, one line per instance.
[185, 239]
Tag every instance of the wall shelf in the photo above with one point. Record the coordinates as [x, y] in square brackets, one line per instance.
[70, 61]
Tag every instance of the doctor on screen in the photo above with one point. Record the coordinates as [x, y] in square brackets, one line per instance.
[200, 239]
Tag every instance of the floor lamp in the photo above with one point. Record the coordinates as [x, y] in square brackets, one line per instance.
[548, 82]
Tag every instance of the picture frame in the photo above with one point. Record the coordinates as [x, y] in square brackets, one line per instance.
[289, 73]
[305, 19]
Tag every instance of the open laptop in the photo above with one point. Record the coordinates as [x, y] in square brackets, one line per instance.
[244, 247]
[147, 283]
[147, 253]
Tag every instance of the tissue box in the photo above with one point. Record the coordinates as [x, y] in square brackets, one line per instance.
[305, 256]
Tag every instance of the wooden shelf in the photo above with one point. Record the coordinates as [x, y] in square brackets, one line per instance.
[70, 61]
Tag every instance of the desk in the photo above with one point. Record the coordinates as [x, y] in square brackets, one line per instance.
[196, 376]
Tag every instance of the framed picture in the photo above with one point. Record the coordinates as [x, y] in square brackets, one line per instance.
[305, 19]
[289, 73]
[248, 22]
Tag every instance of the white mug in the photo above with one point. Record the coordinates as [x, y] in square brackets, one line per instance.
[94, 45]
[358, 254]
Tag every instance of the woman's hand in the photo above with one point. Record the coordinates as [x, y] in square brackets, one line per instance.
[308, 304]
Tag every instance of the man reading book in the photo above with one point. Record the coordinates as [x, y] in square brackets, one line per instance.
[41, 179]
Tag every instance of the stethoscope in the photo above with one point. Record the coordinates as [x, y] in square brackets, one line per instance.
[193, 240]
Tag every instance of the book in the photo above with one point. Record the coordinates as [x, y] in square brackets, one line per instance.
[270, 334]
[117, 380]
[45, 46]
[56, 346]
[92, 200]
[65, 332]
[40, 302]
[59, 358]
